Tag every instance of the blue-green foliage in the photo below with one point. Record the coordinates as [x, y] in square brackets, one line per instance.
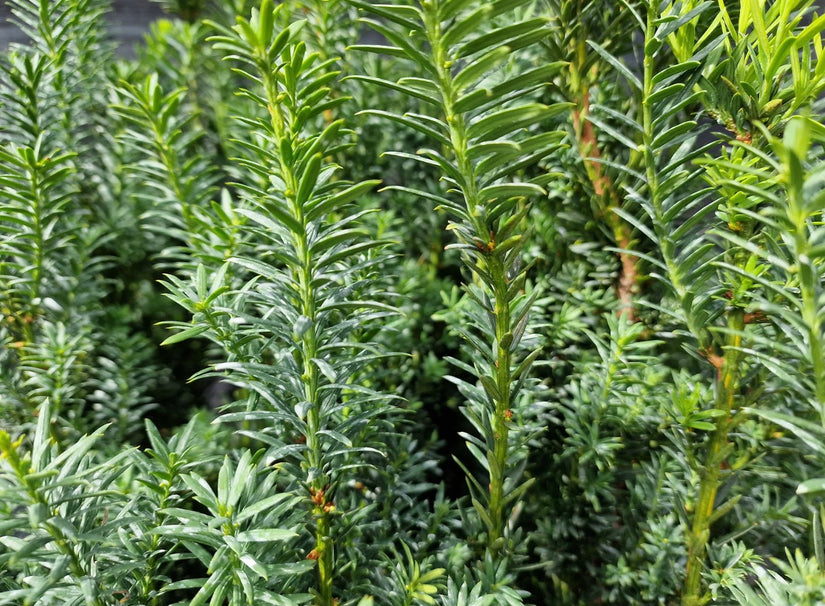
[440, 302]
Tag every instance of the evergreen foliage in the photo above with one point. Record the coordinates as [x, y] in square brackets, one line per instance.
[417, 302]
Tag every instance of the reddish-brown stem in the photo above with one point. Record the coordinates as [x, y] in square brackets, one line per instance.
[607, 199]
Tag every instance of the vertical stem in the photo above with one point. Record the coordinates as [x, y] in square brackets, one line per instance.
[495, 266]
[456, 123]
[809, 287]
[65, 545]
[727, 366]
[147, 583]
[648, 134]
[324, 546]
[173, 169]
[606, 197]
[40, 242]
[500, 419]
[666, 244]
[302, 275]
[727, 386]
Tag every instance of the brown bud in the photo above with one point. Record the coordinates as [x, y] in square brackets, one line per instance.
[317, 496]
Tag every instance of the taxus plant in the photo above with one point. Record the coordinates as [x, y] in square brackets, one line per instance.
[471, 123]
[793, 170]
[502, 303]
[659, 176]
[723, 318]
[301, 363]
[55, 237]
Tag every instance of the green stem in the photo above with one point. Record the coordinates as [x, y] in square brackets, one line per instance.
[64, 544]
[727, 386]
[503, 377]
[324, 548]
[457, 124]
[666, 244]
[40, 243]
[809, 287]
[728, 371]
[303, 274]
[154, 561]
[497, 270]
[169, 158]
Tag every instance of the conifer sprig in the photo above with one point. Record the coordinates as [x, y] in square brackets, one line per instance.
[299, 316]
[484, 132]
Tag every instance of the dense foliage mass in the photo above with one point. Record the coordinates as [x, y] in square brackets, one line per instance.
[446, 302]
